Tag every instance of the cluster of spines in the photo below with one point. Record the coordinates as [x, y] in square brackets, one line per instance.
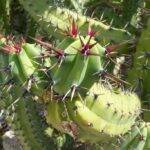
[25, 66]
[64, 58]
[113, 101]
[25, 61]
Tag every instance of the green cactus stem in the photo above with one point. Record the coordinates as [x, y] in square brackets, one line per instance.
[138, 137]
[6, 82]
[140, 72]
[27, 66]
[27, 121]
[83, 58]
[102, 114]
[59, 20]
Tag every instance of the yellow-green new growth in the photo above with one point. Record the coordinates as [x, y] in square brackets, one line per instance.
[102, 114]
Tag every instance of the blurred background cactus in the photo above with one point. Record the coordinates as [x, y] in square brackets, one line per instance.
[75, 74]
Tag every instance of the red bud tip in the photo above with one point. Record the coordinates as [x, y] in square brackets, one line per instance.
[17, 47]
[73, 30]
[91, 32]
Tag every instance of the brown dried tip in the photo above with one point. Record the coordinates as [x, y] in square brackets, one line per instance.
[70, 127]
[1, 36]
[11, 49]
[111, 48]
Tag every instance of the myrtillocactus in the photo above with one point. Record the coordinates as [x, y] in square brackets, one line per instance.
[67, 78]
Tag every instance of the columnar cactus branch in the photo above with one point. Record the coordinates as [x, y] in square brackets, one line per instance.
[59, 20]
[103, 114]
[140, 72]
[28, 123]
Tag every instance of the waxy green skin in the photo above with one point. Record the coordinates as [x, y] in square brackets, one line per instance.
[75, 69]
[94, 119]
[101, 114]
[102, 117]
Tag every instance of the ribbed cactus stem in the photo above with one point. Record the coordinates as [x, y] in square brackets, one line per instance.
[138, 137]
[59, 20]
[99, 116]
[140, 72]
[26, 119]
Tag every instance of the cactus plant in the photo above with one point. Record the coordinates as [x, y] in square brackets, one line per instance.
[76, 82]
[78, 58]
[24, 62]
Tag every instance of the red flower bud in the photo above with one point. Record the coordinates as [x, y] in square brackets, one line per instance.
[73, 29]
[91, 32]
